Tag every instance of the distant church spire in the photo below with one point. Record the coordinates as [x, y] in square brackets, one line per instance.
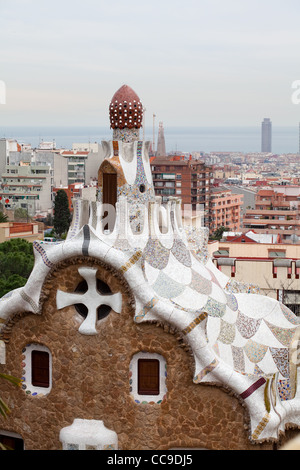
[161, 145]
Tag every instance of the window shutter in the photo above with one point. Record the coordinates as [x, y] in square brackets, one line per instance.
[110, 188]
[40, 369]
[148, 377]
[11, 443]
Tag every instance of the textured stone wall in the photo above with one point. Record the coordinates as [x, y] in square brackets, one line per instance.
[91, 379]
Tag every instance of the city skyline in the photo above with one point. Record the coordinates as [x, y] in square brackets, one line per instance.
[193, 64]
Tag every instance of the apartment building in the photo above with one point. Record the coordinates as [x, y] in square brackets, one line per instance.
[83, 162]
[28, 186]
[225, 209]
[93, 161]
[7, 146]
[277, 210]
[76, 165]
[273, 269]
[52, 158]
[189, 180]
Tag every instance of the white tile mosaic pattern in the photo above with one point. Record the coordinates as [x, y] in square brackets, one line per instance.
[240, 339]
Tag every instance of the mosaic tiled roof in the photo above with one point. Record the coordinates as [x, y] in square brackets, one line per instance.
[244, 341]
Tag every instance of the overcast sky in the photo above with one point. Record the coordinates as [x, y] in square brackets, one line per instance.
[192, 63]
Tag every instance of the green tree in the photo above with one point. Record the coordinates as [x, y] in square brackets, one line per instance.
[218, 234]
[21, 213]
[12, 282]
[62, 216]
[16, 263]
[3, 218]
[17, 244]
[4, 409]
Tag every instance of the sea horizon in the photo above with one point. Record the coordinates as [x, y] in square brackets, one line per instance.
[207, 139]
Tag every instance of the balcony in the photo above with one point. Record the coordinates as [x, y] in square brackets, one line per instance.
[273, 212]
[281, 230]
[271, 222]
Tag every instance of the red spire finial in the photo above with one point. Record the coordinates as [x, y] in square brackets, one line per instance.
[125, 109]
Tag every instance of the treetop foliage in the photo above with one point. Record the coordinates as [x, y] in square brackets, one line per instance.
[16, 264]
[62, 216]
[3, 218]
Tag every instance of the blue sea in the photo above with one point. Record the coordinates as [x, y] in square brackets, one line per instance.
[178, 139]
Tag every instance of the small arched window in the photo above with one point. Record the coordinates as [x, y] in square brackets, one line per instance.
[37, 370]
[148, 374]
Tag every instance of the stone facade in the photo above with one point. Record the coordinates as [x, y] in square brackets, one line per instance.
[91, 378]
[132, 331]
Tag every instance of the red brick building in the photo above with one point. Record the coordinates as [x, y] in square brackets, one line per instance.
[189, 180]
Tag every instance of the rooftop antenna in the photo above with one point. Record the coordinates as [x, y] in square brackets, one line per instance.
[154, 116]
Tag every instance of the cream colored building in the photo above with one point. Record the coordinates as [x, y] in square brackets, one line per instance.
[26, 186]
[273, 268]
